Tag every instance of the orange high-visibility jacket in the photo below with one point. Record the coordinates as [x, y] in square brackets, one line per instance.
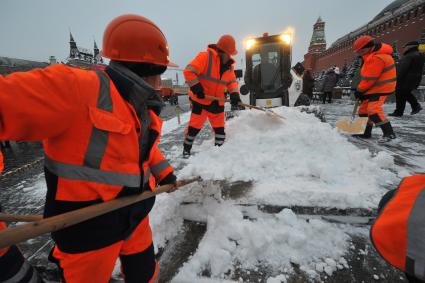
[398, 233]
[205, 69]
[90, 135]
[378, 74]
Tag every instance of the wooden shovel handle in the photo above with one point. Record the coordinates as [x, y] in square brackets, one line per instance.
[246, 105]
[19, 218]
[356, 106]
[24, 232]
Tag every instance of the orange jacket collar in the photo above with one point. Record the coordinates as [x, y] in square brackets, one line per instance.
[213, 49]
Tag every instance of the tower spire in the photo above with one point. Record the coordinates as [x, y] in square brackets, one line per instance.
[96, 58]
[318, 41]
[73, 49]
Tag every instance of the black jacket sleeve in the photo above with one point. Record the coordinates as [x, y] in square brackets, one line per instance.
[403, 67]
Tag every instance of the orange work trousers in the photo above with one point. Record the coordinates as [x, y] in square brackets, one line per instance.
[136, 254]
[372, 108]
[216, 120]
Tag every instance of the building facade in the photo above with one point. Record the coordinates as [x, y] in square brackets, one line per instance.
[400, 22]
[83, 57]
[10, 65]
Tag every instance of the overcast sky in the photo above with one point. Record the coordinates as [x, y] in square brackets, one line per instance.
[36, 29]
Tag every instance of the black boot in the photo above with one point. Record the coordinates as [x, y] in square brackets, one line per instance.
[395, 114]
[186, 151]
[388, 132]
[188, 141]
[367, 132]
[416, 110]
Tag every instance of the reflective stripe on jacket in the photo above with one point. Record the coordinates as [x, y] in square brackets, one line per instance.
[205, 69]
[91, 141]
[378, 73]
[398, 233]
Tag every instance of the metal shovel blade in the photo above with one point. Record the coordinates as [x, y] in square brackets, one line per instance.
[352, 126]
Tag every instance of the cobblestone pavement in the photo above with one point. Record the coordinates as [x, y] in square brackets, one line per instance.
[408, 149]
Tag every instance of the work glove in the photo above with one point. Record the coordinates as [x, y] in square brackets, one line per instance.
[170, 179]
[235, 99]
[358, 95]
[198, 90]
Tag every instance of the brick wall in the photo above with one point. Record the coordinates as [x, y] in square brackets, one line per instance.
[401, 29]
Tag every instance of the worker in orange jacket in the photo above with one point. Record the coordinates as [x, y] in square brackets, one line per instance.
[211, 73]
[378, 81]
[398, 233]
[13, 266]
[100, 132]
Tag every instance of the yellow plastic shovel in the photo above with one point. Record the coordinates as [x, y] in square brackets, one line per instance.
[352, 125]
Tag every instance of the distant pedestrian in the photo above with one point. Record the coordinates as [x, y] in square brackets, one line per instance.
[337, 71]
[330, 81]
[409, 76]
[308, 83]
[5, 144]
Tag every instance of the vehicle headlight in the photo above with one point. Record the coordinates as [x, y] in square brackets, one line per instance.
[286, 38]
[249, 43]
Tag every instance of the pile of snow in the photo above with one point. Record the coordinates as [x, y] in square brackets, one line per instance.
[261, 242]
[274, 241]
[299, 161]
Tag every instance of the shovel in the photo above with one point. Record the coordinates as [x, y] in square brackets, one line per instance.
[352, 125]
[267, 111]
[38, 226]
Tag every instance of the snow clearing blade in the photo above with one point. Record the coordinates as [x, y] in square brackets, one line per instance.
[254, 211]
[352, 125]
[20, 233]
[267, 111]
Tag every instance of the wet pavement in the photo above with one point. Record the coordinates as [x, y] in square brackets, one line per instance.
[23, 189]
[408, 149]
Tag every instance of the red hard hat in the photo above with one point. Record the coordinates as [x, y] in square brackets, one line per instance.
[361, 42]
[133, 38]
[228, 44]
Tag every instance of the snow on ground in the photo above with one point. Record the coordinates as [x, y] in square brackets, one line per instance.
[172, 124]
[409, 130]
[300, 161]
[232, 241]
[274, 241]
